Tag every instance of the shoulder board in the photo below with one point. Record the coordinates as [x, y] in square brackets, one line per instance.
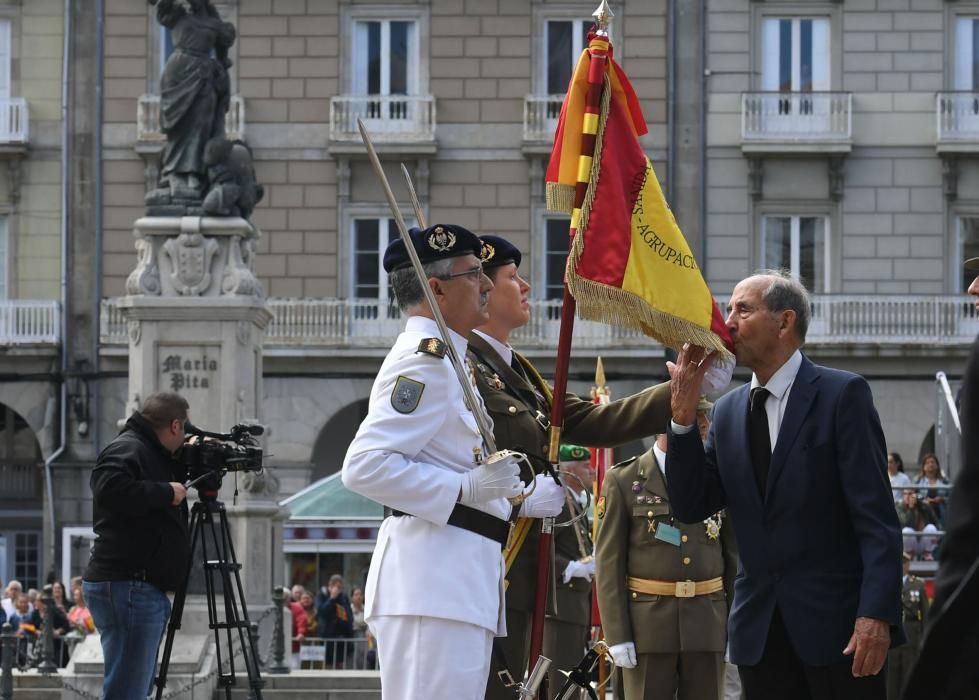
[622, 465]
[433, 347]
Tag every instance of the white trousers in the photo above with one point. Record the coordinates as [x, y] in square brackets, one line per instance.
[431, 658]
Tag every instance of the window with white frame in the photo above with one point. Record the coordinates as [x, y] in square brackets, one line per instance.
[799, 244]
[370, 236]
[564, 40]
[966, 71]
[5, 54]
[4, 258]
[555, 256]
[795, 54]
[968, 247]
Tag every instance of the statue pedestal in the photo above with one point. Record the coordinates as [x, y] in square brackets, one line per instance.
[196, 316]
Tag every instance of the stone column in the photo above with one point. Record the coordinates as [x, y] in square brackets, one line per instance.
[196, 316]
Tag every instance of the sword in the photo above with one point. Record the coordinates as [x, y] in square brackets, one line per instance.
[479, 411]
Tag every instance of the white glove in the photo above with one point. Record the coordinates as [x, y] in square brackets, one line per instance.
[623, 655]
[498, 477]
[579, 569]
[718, 376]
[546, 500]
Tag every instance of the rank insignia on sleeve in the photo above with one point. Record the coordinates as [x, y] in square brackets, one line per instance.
[432, 346]
[600, 507]
[406, 395]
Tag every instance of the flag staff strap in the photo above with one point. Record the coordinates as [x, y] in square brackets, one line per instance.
[596, 79]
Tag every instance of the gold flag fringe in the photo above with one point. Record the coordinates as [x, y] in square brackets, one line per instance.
[614, 306]
[559, 197]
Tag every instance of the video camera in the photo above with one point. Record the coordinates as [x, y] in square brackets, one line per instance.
[214, 454]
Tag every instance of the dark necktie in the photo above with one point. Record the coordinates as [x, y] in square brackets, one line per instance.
[761, 443]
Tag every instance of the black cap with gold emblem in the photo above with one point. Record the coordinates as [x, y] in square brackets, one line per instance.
[972, 264]
[433, 243]
[497, 252]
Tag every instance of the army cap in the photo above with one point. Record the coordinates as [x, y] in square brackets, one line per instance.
[972, 265]
[573, 453]
[497, 252]
[437, 242]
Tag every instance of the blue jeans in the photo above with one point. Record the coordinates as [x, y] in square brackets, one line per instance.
[131, 616]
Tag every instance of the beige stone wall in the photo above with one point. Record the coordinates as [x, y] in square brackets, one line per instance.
[291, 58]
[35, 220]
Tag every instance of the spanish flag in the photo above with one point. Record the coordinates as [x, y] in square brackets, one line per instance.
[628, 264]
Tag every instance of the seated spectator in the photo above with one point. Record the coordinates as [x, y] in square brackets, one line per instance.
[917, 516]
[79, 616]
[932, 475]
[895, 471]
[336, 620]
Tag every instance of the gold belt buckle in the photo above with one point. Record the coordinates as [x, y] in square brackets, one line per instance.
[686, 589]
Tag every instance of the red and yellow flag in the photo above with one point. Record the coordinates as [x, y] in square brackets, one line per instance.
[629, 263]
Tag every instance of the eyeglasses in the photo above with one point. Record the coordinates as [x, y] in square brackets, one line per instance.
[473, 272]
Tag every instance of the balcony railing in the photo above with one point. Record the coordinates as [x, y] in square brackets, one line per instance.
[148, 128]
[836, 320]
[25, 322]
[799, 117]
[20, 481]
[540, 116]
[14, 121]
[957, 114]
[389, 118]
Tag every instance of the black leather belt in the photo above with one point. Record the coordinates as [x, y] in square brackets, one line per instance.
[473, 520]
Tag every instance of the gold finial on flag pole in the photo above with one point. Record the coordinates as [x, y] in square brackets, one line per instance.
[603, 15]
[600, 388]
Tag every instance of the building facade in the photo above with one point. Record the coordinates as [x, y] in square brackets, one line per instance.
[831, 138]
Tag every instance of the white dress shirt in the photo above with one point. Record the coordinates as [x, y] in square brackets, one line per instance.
[502, 349]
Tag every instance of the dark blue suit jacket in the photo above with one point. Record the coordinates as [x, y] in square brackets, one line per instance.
[825, 545]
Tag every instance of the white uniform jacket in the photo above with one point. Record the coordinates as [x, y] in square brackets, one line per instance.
[413, 462]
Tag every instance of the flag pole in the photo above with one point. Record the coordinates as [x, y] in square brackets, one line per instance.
[596, 82]
[602, 460]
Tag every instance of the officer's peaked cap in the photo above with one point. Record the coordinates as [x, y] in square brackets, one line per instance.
[436, 242]
[497, 251]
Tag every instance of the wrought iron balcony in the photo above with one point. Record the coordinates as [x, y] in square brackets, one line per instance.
[395, 122]
[796, 121]
[957, 116]
[150, 134]
[28, 322]
[14, 122]
[837, 319]
[540, 117]
[20, 481]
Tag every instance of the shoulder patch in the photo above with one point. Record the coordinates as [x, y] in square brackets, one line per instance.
[406, 394]
[432, 346]
[600, 507]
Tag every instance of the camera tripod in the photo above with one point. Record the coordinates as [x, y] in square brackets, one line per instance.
[221, 567]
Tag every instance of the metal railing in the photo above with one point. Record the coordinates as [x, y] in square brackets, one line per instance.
[837, 319]
[957, 116]
[796, 116]
[14, 120]
[388, 117]
[348, 653]
[948, 429]
[20, 481]
[540, 116]
[27, 322]
[148, 129]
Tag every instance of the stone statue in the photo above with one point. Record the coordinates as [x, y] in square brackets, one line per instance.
[194, 98]
[231, 174]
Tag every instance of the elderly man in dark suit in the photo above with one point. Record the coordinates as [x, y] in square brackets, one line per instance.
[798, 459]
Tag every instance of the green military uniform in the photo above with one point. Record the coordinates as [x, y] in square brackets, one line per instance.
[900, 660]
[680, 631]
[516, 399]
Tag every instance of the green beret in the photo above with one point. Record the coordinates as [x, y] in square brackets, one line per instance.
[573, 453]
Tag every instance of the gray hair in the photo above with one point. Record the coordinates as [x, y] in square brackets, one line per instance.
[407, 288]
[785, 292]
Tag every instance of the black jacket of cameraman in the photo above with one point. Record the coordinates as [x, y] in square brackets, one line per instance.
[139, 534]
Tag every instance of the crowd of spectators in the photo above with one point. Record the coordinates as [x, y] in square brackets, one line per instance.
[920, 503]
[24, 611]
[324, 621]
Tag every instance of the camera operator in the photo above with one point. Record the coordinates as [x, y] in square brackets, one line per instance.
[142, 547]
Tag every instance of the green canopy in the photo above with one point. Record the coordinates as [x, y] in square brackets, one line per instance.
[329, 499]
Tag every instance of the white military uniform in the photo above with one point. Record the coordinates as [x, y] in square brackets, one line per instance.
[434, 595]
